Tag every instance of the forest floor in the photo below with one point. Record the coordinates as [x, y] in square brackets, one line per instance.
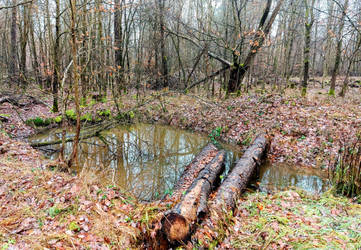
[42, 207]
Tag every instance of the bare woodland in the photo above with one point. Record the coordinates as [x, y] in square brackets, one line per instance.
[224, 46]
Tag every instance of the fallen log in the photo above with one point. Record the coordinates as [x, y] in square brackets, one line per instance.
[232, 187]
[178, 224]
[236, 182]
[192, 170]
[13, 100]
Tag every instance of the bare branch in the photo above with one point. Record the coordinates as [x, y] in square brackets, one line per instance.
[14, 6]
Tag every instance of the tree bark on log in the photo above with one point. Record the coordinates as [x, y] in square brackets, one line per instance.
[192, 170]
[237, 180]
[178, 224]
[235, 183]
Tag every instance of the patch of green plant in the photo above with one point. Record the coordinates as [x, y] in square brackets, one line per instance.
[7, 244]
[104, 112]
[86, 117]
[92, 102]
[73, 226]
[215, 134]
[54, 211]
[58, 119]
[5, 115]
[103, 100]
[301, 138]
[331, 92]
[126, 116]
[345, 172]
[230, 108]
[38, 122]
[83, 102]
[71, 114]
[168, 192]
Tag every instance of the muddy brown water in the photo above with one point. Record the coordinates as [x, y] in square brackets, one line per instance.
[280, 176]
[147, 160]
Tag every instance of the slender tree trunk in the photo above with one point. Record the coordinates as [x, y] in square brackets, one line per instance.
[24, 41]
[56, 58]
[13, 44]
[306, 52]
[163, 53]
[338, 50]
[118, 43]
[73, 158]
[35, 62]
[351, 62]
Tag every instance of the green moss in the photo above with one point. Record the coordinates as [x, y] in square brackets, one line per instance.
[331, 92]
[38, 122]
[304, 92]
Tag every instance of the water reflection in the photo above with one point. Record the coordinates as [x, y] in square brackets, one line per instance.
[282, 176]
[143, 159]
[147, 160]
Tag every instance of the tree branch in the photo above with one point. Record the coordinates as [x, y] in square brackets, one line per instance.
[14, 6]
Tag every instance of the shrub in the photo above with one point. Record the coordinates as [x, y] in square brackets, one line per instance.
[345, 174]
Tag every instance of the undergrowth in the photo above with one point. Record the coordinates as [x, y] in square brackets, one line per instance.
[345, 173]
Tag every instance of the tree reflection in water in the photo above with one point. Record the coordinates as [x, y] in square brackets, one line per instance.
[282, 176]
[144, 159]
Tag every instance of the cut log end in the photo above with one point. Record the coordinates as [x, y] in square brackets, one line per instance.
[175, 227]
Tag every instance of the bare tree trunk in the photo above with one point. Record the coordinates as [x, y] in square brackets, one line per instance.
[13, 43]
[73, 158]
[309, 20]
[35, 62]
[24, 36]
[338, 49]
[163, 53]
[56, 51]
[118, 43]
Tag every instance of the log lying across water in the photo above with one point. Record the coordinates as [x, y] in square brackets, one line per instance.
[236, 181]
[192, 170]
[178, 224]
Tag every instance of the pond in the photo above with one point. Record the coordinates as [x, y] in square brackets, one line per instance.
[274, 177]
[146, 160]
[143, 159]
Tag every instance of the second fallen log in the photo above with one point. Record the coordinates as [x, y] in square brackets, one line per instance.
[179, 222]
[235, 183]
